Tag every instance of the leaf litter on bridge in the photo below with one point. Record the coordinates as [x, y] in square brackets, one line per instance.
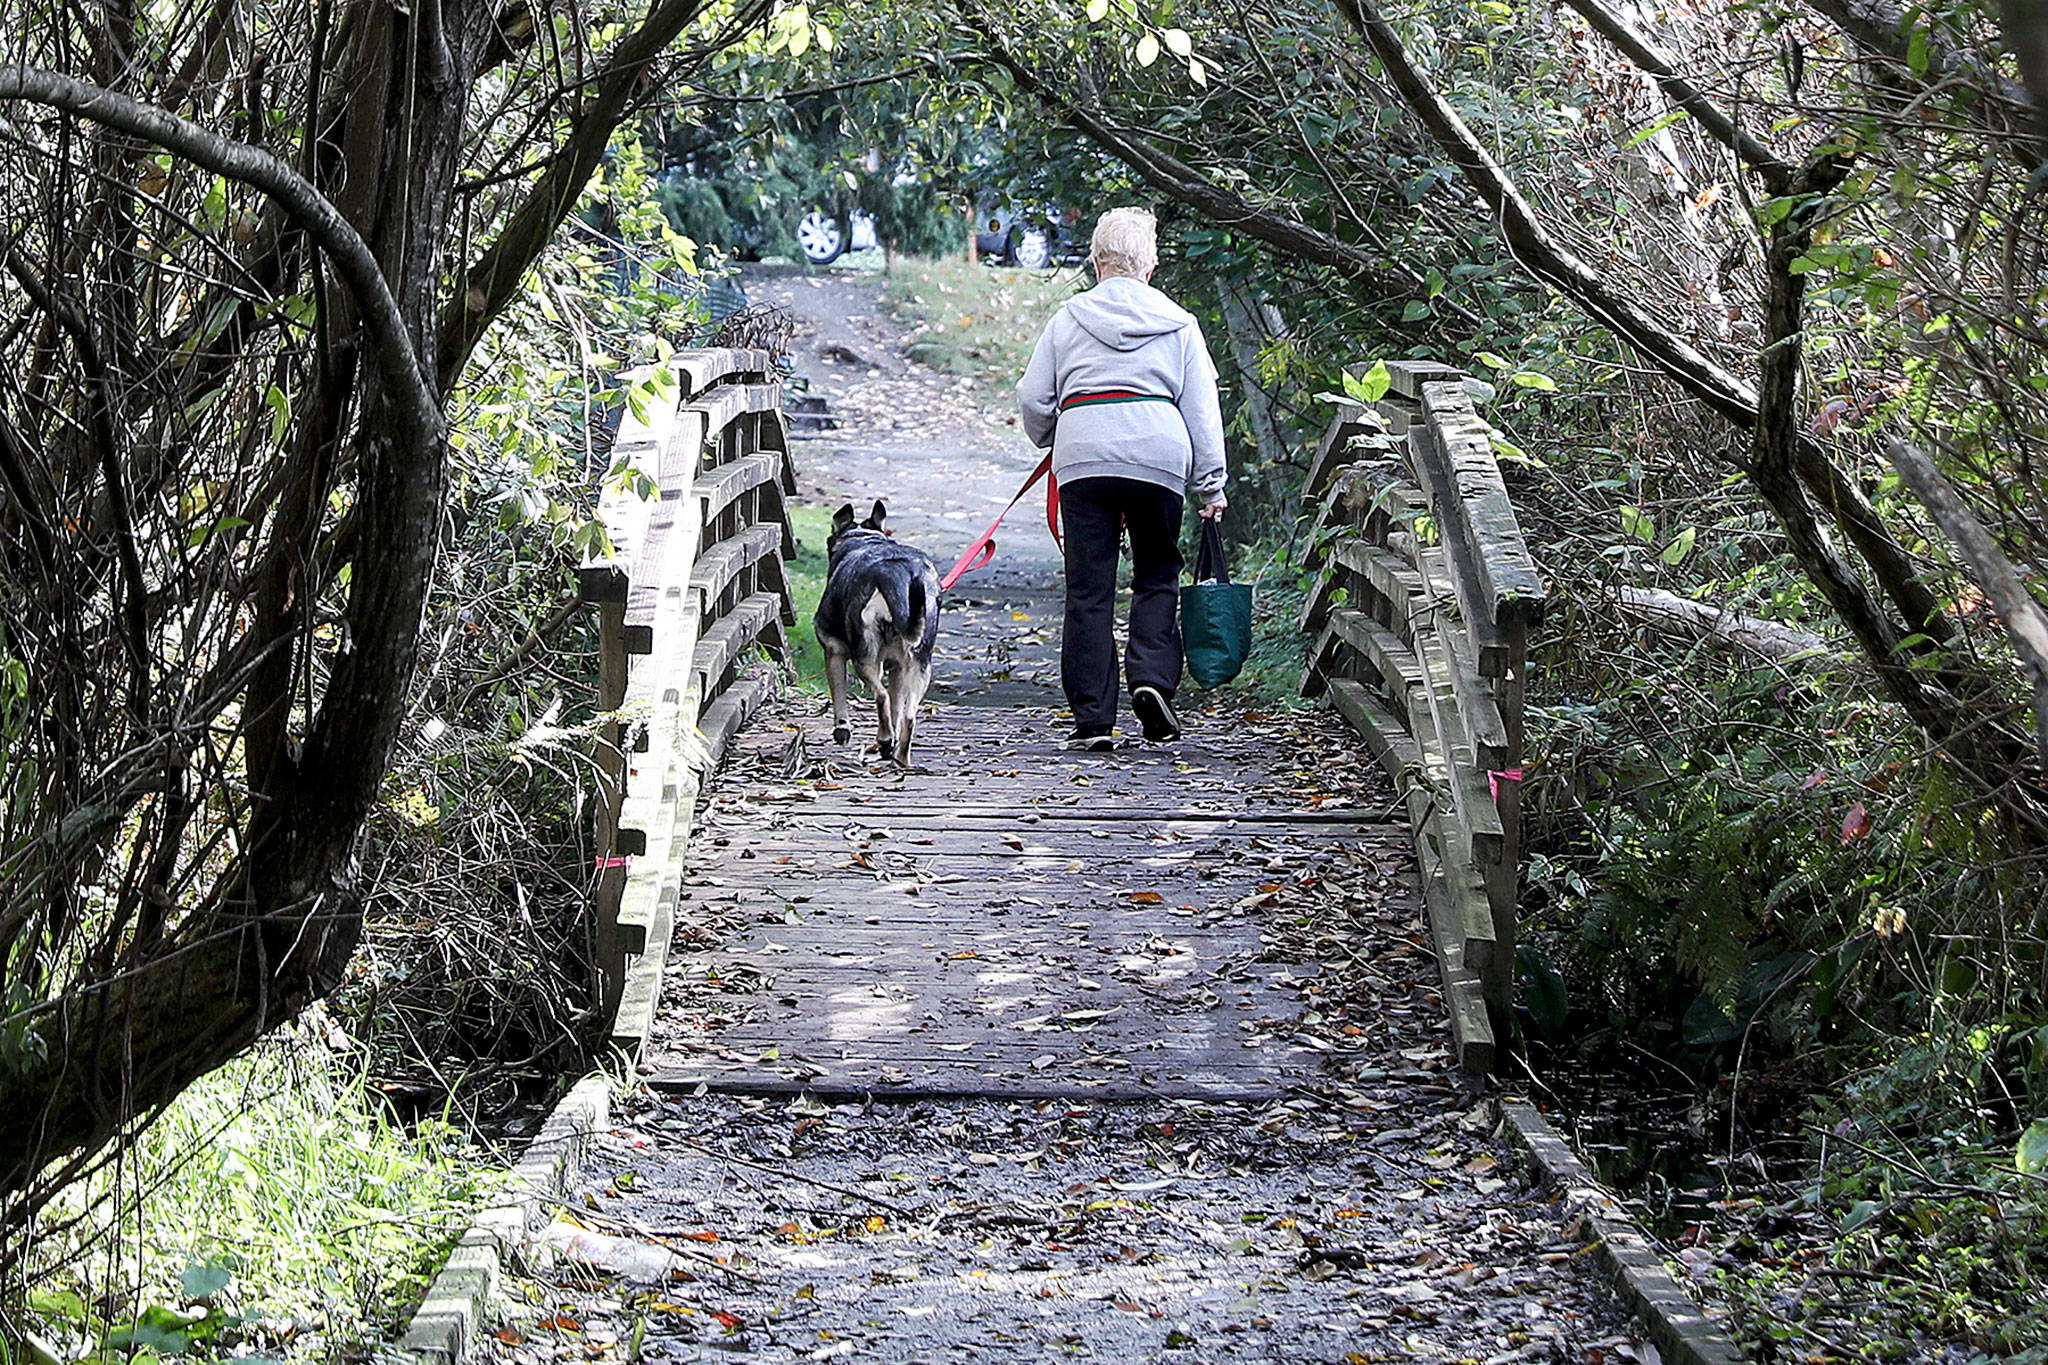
[1366, 1214]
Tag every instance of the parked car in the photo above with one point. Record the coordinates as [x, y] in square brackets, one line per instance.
[1030, 237]
[824, 237]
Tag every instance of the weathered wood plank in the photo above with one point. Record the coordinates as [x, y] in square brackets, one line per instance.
[734, 633]
[1455, 893]
[1387, 738]
[718, 488]
[1484, 727]
[728, 403]
[1511, 588]
[1397, 587]
[1468, 784]
[1030, 810]
[724, 717]
[1407, 377]
[1348, 421]
[625, 508]
[719, 564]
[1379, 647]
[697, 370]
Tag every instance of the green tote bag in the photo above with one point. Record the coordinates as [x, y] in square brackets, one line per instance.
[1215, 615]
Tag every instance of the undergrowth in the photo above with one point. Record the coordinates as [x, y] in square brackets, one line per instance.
[308, 1223]
[1780, 971]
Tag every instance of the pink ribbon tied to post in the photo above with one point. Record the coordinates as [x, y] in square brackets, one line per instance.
[1496, 776]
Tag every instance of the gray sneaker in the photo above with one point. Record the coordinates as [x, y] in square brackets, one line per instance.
[1155, 713]
[1090, 743]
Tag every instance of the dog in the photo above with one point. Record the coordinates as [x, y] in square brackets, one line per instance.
[880, 614]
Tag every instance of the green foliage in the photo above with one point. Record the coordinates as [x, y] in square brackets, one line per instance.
[274, 1212]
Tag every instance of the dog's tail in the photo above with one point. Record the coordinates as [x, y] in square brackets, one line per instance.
[906, 598]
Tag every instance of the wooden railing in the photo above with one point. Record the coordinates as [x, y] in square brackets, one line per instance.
[1419, 625]
[693, 586]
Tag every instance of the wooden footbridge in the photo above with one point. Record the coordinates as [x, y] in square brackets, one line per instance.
[902, 927]
[1174, 1052]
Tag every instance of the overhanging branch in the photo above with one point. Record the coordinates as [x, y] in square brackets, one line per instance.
[355, 264]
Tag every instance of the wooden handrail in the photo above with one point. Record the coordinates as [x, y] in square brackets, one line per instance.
[1419, 623]
[691, 586]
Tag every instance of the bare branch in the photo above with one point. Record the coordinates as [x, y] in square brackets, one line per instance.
[1639, 49]
[323, 222]
[2025, 621]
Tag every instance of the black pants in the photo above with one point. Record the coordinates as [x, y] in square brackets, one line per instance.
[1092, 511]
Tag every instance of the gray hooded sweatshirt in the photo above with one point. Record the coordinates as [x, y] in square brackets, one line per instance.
[1139, 390]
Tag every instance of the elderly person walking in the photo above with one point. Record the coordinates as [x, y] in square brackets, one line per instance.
[1122, 388]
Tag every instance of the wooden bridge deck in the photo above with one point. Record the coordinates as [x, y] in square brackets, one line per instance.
[1012, 920]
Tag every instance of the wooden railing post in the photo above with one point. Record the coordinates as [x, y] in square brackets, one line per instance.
[1419, 628]
[682, 612]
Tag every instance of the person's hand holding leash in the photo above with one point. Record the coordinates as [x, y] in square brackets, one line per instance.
[1214, 511]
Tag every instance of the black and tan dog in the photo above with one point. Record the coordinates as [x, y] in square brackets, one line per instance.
[880, 613]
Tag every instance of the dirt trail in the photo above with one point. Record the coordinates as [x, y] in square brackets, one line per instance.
[1032, 1056]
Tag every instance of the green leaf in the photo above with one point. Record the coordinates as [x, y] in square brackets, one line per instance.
[1098, 10]
[1493, 362]
[1178, 42]
[199, 535]
[1531, 379]
[1655, 127]
[1416, 309]
[1706, 1024]
[1635, 523]
[1434, 282]
[1197, 72]
[1861, 1212]
[204, 1279]
[280, 413]
[1371, 386]
[1680, 546]
[2032, 1153]
[1507, 450]
[1147, 50]
[1542, 991]
[60, 1304]
[1917, 56]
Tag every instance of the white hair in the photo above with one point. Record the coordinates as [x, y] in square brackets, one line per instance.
[1126, 242]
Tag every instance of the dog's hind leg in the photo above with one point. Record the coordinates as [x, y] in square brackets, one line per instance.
[835, 681]
[875, 673]
[908, 684]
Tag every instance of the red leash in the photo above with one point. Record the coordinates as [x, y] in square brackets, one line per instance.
[984, 549]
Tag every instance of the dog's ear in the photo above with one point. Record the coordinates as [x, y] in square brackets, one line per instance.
[876, 517]
[842, 519]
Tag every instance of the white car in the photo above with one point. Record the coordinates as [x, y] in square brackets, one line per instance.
[824, 237]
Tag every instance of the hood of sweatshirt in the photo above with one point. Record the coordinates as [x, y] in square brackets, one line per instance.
[1123, 314]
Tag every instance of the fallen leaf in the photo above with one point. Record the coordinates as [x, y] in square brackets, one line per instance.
[1148, 898]
[1856, 822]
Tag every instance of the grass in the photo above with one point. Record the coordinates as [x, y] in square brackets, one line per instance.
[977, 320]
[275, 1212]
[806, 585]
